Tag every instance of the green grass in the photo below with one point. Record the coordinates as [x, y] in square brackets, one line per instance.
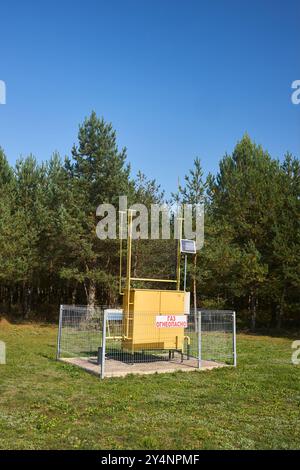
[49, 405]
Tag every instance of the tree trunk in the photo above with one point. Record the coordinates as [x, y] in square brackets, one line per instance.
[74, 294]
[10, 300]
[280, 310]
[252, 308]
[26, 300]
[91, 296]
[136, 258]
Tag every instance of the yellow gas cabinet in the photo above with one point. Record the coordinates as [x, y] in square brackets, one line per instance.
[150, 322]
[152, 319]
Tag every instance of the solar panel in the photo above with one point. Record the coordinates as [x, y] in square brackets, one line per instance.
[188, 246]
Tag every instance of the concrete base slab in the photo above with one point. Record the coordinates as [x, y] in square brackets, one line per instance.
[115, 368]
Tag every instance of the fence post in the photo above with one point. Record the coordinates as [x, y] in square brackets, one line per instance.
[199, 340]
[234, 338]
[59, 332]
[103, 344]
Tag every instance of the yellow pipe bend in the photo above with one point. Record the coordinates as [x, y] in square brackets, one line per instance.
[188, 340]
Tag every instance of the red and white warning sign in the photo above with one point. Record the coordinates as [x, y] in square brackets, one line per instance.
[171, 321]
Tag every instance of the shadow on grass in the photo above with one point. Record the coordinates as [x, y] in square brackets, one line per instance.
[31, 321]
[137, 357]
[272, 333]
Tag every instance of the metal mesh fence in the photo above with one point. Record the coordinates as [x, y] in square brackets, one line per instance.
[113, 340]
[218, 335]
[80, 330]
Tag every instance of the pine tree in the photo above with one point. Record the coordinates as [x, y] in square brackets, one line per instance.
[245, 199]
[193, 192]
[99, 174]
[285, 260]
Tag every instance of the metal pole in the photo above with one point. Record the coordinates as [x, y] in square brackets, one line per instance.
[234, 339]
[199, 340]
[128, 270]
[103, 345]
[185, 262]
[121, 250]
[59, 332]
[195, 295]
[179, 235]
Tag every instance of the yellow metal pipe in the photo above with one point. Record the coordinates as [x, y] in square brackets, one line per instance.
[152, 280]
[121, 250]
[180, 220]
[128, 270]
[188, 339]
[129, 244]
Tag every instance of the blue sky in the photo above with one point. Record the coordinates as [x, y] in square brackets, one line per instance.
[177, 79]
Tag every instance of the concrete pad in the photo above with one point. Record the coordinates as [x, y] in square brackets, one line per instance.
[115, 368]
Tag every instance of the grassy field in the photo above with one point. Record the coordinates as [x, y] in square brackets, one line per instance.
[50, 405]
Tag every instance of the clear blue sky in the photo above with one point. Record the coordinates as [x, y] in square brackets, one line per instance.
[177, 79]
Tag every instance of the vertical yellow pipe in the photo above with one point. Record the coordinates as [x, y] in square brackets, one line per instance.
[128, 270]
[179, 228]
[180, 220]
[129, 242]
[121, 249]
